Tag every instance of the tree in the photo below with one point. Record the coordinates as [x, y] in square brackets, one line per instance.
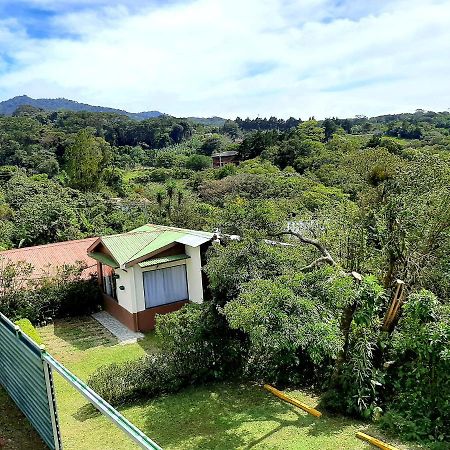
[85, 160]
[177, 133]
[230, 128]
[211, 145]
[301, 146]
[329, 127]
[198, 162]
[286, 323]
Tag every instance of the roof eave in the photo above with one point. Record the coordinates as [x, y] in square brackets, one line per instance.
[135, 261]
[94, 244]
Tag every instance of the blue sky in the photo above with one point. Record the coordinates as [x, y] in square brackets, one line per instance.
[230, 57]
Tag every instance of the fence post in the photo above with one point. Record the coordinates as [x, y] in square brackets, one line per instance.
[51, 395]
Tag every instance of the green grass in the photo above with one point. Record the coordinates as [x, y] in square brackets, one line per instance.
[216, 416]
[15, 431]
[27, 327]
[129, 175]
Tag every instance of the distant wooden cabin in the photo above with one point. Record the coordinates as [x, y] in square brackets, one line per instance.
[221, 159]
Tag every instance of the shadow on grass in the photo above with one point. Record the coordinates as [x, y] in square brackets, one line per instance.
[151, 343]
[83, 333]
[86, 412]
[233, 415]
[224, 416]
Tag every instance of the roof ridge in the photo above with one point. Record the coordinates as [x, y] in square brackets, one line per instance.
[52, 244]
[140, 250]
[126, 232]
[185, 230]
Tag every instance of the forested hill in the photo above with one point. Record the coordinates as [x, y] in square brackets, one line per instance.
[8, 107]
[373, 194]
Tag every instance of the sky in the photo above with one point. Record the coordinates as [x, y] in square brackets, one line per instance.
[230, 58]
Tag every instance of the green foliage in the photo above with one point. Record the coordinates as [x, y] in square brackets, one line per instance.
[193, 354]
[232, 265]
[286, 325]
[198, 162]
[41, 300]
[85, 160]
[213, 144]
[418, 375]
[231, 129]
[143, 378]
[241, 216]
[27, 327]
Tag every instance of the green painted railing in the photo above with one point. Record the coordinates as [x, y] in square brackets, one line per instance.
[26, 374]
[26, 378]
[103, 406]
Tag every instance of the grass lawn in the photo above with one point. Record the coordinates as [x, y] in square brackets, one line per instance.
[16, 433]
[217, 416]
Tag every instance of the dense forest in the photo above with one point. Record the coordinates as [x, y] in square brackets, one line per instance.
[364, 195]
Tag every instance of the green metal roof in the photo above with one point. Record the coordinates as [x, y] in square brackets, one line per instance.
[164, 239]
[162, 260]
[128, 247]
[104, 259]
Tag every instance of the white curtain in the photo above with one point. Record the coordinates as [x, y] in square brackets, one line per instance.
[165, 286]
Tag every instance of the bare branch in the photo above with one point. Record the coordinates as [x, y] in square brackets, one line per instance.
[326, 257]
[315, 263]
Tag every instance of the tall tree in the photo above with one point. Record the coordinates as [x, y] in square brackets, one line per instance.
[85, 160]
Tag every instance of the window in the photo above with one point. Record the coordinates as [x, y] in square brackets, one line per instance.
[109, 282]
[164, 286]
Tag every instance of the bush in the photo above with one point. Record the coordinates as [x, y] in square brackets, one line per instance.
[65, 294]
[419, 399]
[157, 175]
[145, 377]
[195, 352]
[198, 162]
[27, 327]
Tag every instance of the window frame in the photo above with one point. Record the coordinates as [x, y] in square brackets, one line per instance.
[165, 268]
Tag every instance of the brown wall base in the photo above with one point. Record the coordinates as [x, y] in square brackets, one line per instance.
[143, 320]
[120, 313]
[147, 319]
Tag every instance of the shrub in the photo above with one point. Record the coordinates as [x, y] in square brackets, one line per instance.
[419, 399]
[27, 327]
[157, 175]
[65, 294]
[145, 377]
[198, 162]
[195, 352]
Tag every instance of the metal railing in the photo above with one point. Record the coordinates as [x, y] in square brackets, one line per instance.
[26, 373]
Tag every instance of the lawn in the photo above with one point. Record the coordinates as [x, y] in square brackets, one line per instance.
[15, 431]
[217, 416]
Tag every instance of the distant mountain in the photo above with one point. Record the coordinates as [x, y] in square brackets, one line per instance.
[7, 107]
[213, 121]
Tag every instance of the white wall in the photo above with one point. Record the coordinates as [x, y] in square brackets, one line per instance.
[194, 274]
[126, 297]
[132, 297]
[139, 288]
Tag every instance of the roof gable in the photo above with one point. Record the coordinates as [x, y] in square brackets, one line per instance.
[130, 248]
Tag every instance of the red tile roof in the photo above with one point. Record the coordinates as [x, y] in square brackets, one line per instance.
[46, 258]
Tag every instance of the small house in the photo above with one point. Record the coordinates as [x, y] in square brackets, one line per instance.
[221, 159]
[151, 270]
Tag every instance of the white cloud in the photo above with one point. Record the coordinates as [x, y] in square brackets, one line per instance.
[199, 58]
